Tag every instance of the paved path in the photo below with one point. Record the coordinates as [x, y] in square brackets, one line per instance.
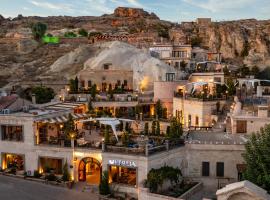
[19, 189]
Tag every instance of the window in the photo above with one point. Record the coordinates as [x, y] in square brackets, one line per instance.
[241, 126]
[118, 82]
[197, 121]
[89, 83]
[205, 169]
[123, 175]
[12, 133]
[83, 84]
[170, 76]
[220, 169]
[189, 120]
[125, 82]
[106, 66]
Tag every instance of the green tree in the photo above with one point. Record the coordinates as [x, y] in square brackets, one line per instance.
[66, 175]
[146, 128]
[70, 34]
[70, 127]
[72, 85]
[196, 41]
[83, 32]
[93, 91]
[183, 65]
[175, 130]
[244, 71]
[231, 87]
[76, 81]
[226, 71]
[43, 94]
[157, 128]
[106, 135]
[153, 128]
[104, 187]
[158, 109]
[125, 138]
[38, 30]
[255, 71]
[257, 158]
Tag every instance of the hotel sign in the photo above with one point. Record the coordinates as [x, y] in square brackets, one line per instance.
[125, 163]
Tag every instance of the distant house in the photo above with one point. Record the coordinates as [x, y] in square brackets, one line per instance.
[12, 103]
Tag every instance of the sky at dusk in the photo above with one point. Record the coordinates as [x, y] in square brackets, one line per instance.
[173, 10]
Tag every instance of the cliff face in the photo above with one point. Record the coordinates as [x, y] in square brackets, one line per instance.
[240, 42]
[133, 12]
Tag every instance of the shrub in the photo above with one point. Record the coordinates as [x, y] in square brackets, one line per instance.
[83, 32]
[104, 188]
[66, 175]
[156, 177]
[38, 30]
[37, 174]
[50, 177]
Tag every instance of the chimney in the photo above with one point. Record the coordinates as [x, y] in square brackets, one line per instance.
[34, 99]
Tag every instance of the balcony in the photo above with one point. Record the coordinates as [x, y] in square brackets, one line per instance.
[200, 97]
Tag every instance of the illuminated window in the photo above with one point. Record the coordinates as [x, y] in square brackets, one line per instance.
[123, 175]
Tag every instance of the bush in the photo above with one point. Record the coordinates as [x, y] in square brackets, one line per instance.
[37, 174]
[66, 175]
[50, 177]
[70, 34]
[156, 177]
[38, 30]
[83, 32]
[104, 188]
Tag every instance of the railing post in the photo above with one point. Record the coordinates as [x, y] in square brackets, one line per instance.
[146, 149]
[103, 146]
[167, 144]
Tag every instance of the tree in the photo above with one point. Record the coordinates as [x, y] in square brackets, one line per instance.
[257, 158]
[255, 71]
[157, 128]
[72, 85]
[196, 41]
[244, 71]
[158, 109]
[245, 50]
[125, 138]
[104, 188]
[231, 87]
[153, 128]
[70, 127]
[43, 94]
[76, 82]
[106, 136]
[175, 130]
[70, 35]
[146, 128]
[66, 175]
[226, 71]
[93, 91]
[183, 65]
[38, 30]
[83, 32]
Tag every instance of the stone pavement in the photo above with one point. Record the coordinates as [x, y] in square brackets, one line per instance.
[19, 189]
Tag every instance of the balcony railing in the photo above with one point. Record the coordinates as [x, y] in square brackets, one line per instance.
[200, 98]
[145, 150]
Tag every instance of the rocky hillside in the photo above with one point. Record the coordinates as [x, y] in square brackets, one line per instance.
[23, 59]
[240, 42]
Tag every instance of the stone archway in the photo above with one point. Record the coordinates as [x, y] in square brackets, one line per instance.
[240, 196]
[90, 170]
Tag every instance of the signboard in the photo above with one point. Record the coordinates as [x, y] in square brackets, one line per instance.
[125, 163]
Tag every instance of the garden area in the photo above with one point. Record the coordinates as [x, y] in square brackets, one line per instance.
[167, 181]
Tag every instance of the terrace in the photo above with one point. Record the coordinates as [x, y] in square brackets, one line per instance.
[109, 134]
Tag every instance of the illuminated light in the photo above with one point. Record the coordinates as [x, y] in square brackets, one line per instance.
[61, 126]
[40, 170]
[68, 89]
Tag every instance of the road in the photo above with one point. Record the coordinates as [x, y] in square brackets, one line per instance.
[19, 189]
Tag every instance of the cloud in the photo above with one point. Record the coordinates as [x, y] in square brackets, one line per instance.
[100, 5]
[219, 5]
[135, 3]
[53, 6]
